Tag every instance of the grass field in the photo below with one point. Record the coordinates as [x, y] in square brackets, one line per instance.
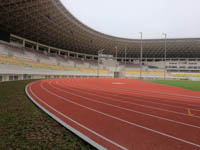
[24, 126]
[192, 85]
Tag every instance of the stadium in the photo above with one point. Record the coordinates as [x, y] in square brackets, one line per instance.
[72, 87]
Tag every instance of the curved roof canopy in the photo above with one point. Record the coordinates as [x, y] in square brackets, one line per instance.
[49, 22]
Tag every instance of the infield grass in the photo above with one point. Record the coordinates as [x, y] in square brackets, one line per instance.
[192, 85]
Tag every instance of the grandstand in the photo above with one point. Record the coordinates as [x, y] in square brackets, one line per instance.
[38, 64]
[72, 52]
[46, 63]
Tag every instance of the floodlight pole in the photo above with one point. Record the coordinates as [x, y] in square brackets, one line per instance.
[165, 55]
[141, 54]
[99, 52]
[125, 55]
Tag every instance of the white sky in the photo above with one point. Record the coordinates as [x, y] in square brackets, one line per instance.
[125, 18]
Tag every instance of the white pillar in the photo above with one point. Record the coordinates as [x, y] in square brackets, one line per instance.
[49, 50]
[37, 46]
[5, 77]
[24, 42]
[20, 77]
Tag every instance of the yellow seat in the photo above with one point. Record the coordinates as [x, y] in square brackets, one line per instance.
[21, 62]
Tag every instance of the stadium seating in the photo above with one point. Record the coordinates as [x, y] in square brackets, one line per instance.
[44, 63]
[26, 63]
[185, 74]
[137, 72]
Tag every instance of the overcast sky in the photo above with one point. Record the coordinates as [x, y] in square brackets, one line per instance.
[125, 18]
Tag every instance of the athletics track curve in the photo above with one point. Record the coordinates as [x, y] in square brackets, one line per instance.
[122, 114]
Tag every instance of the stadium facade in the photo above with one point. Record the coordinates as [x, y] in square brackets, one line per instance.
[47, 26]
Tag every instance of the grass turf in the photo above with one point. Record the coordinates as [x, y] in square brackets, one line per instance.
[24, 126]
[192, 85]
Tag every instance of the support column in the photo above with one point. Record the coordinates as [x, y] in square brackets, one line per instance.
[20, 77]
[23, 42]
[5, 77]
[37, 46]
[49, 50]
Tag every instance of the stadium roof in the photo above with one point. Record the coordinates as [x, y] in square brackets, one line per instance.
[49, 22]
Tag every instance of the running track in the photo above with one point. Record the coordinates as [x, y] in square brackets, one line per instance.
[121, 114]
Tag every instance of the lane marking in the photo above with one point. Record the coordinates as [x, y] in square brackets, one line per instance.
[146, 101]
[186, 103]
[189, 112]
[171, 94]
[123, 108]
[145, 106]
[118, 83]
[84, 137]
[177, 102]
[119, 119]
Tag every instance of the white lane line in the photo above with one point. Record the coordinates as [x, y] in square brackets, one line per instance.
[186, 103]
[179, 102]
[170, 94]
[123, 108]
[147, 101]
[119, 119]
[118, 83]
[84, 137]
[145, 106]
[170, 105]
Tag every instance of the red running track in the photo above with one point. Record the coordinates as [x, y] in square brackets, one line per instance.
[121, 114]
